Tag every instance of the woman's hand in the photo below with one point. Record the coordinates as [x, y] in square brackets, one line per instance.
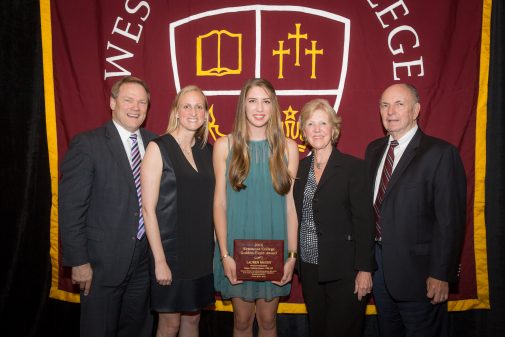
[163, 273]
[289, 267]
[363, 284]
[230, 269]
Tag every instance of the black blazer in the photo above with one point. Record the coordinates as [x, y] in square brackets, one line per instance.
[423, 214]
[98, 205]
[343, 216]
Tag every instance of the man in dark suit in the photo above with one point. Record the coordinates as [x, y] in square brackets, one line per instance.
[420, 203]
[100, 220]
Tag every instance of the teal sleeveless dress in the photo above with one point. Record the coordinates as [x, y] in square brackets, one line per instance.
[256, 212]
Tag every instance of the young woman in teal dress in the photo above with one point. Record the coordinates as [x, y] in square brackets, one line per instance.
[254, 168]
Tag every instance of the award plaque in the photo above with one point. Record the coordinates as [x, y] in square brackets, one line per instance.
[259, 260]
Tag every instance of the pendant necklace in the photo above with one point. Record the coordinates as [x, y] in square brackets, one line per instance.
[185, 151]
[318, 163]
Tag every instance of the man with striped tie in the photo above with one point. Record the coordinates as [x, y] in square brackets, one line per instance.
[420, 207]
[101, 225]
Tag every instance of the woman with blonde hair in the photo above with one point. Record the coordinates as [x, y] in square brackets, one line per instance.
[254, 167]
[336, 233]
[177, 182]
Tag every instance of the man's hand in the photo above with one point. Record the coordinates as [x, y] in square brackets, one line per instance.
[82, 276]
[437, 290]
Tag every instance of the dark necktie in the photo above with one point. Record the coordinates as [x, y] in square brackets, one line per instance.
[135, 164]
[385, 176]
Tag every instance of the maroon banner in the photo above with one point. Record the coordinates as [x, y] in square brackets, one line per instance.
[344, 51]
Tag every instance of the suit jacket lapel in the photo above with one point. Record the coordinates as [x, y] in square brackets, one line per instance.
[302, 175]
[145, 138]
[408, 155]
[376, 158]
[117, 150]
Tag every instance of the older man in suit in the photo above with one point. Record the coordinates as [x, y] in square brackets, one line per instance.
[101, 224]
[420, 204]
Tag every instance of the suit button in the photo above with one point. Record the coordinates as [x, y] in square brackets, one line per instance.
[136, 213]
[133, 238]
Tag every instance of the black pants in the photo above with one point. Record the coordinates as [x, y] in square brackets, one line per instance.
[333, 308]
[123, 310]
[406, 319]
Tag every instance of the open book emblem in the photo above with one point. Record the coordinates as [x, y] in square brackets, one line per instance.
[213, 42]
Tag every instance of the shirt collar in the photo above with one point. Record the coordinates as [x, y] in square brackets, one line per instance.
[406, 137]
[123, 133]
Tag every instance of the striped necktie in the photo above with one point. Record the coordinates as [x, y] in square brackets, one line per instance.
[135, 164]
[385, 176]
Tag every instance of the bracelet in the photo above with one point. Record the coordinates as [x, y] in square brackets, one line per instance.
[224, 257]
[293, 255]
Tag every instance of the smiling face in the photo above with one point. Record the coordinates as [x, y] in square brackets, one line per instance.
[191, 111]
[129, 108]
[318, 129]
[258, 107]
[399, 110]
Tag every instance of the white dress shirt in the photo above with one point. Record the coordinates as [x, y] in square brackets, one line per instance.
[125, 139]
[399, 149]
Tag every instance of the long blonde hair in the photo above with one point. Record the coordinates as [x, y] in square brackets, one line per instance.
[202, 133]
[240, 161]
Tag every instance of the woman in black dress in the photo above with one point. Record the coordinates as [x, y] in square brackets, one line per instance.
[177, 182]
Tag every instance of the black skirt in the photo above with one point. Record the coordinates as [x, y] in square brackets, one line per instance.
[183, 295]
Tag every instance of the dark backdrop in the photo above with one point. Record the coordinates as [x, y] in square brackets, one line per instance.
[26, 310]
